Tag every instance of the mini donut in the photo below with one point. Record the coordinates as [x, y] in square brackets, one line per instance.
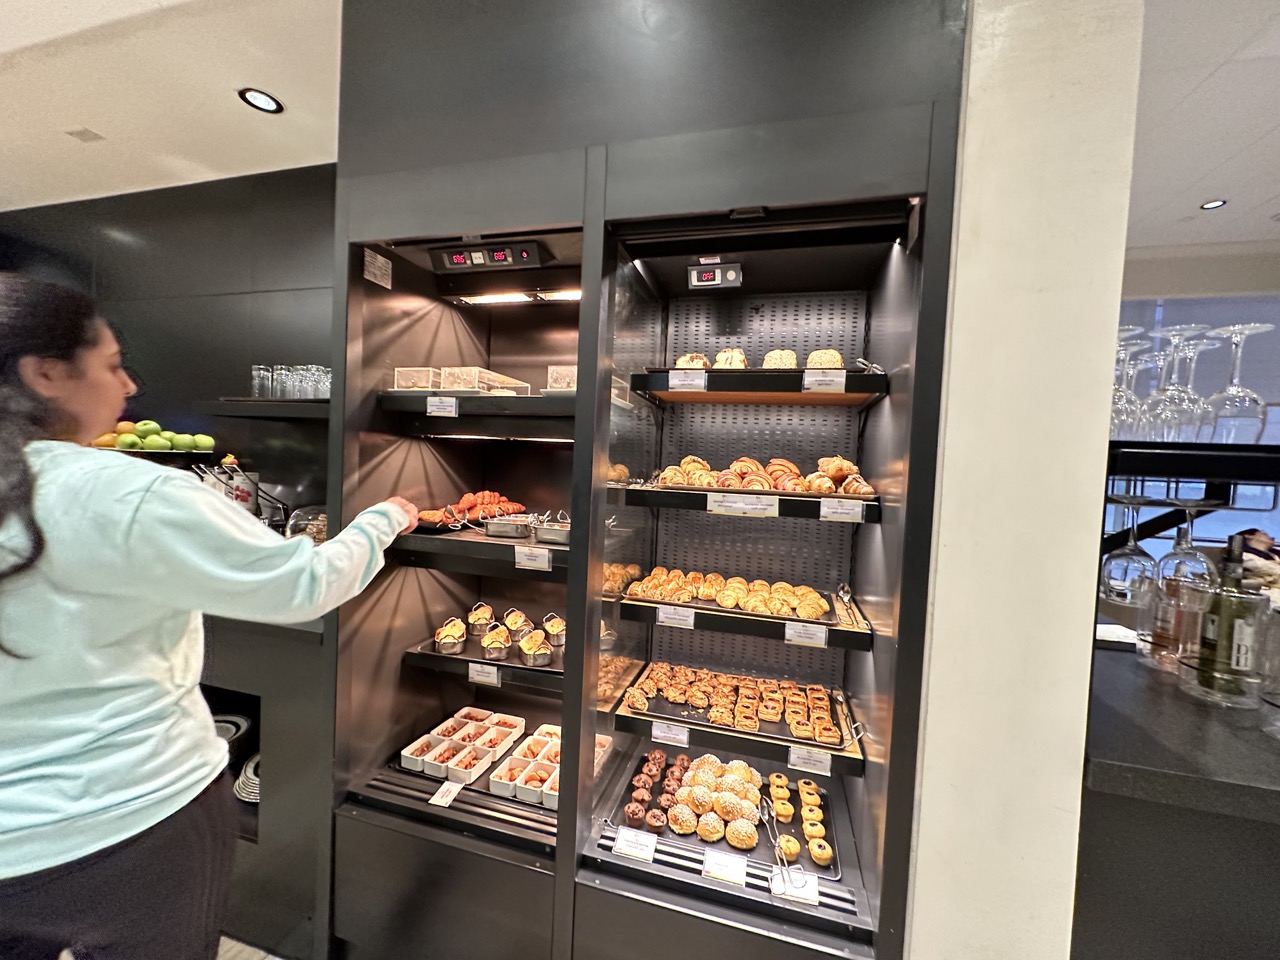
[783, 811]
[788, 848]
[710, 827]
[821, 852]
[811, 813]
[814, 830]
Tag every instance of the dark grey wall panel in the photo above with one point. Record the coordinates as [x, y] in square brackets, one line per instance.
[518, 193]
[867, 155]
[425, 85]
[292, 229]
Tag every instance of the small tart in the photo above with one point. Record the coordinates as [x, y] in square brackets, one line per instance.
[814, 830]
[783, 811]
[788, 848]
[810, 798]
[811, 813]
[821, 852]
[779, 793]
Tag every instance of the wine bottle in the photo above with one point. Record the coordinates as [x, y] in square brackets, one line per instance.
[1228, 630]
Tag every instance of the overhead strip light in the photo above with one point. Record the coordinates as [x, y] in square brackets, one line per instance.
[556, 296]
[484, 298]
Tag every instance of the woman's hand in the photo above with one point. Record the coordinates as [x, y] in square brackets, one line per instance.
[410, 512]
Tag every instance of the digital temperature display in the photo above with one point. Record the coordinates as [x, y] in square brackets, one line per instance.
[500, 256]
[458, 259]
[723, 275]
[707, 276]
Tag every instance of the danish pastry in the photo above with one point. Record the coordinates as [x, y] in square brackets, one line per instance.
[821, 852]
[635, 699]
[720, 716]
[780, 360]
[694, 463]
[710, 827]
[825, 360]
[692, 361]
[802, 730]
[788, 848]
[827, 733]
[699, 700]
[741, 835]
[682, 820]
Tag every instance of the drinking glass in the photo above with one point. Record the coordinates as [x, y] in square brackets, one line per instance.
[1186, 579]
[259, 382]
[1240, 413]
[281, 381]
[1173, 413]
[1128, 574]
[1191, 354]
[1127, 415]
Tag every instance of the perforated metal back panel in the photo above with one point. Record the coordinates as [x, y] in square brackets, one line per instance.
[799, 551]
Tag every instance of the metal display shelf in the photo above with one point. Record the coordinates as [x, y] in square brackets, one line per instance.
[484, 417]
[1231, 462]
[839, 635]
[251, 409]
[511, 671]
[470, 551]
[789, 505]
[783, 387]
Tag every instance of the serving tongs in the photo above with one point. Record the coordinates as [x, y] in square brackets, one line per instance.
[794, 875]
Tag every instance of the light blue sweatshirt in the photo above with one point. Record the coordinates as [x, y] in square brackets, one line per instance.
[103, 729]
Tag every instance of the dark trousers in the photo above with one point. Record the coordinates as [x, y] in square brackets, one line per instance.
[158, 896]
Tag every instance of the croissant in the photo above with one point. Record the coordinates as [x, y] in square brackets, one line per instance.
[672, 477]
[856, 486]
[728, 478]
[790, 484]
[837, 468]
[744, 465]
[820, 483]
[702, 478]
[786, 465]
[755, 480]
[691, 463]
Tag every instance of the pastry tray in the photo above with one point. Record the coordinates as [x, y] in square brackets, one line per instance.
[763, 852]
[805, 495]
[828, 619]
[661, 709]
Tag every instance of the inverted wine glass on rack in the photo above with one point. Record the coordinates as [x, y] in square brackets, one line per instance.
[1128, 574]
[1127, 413]
[1169, 627]
[1173, 413]
[1191, 355]
[1240, 413]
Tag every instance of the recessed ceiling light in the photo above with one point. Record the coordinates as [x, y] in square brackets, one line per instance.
[260, 100]
[1213, 204]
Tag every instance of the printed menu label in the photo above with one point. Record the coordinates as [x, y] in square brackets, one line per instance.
[671, 733]
[681, 617]
[846, 511]
[533, 558]
[806, 634]
[687, 380]
[486, 673]
[444, 796]
[742, 505]
[809, 760]
[729, 867]
[823, 381]
[442, 406]
[636, 844]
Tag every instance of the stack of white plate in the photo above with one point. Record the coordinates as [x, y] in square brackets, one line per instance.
[246, 786]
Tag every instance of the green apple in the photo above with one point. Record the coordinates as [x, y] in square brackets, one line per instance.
[128, 441]
[147, 428]
[184, 441]
[168, 435]
[203, 441]
[156, 442]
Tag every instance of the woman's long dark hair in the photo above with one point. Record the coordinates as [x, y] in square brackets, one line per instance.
[37, 319]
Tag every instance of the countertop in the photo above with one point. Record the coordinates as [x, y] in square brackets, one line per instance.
[1150, 741]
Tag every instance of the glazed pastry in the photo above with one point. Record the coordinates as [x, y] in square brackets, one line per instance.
[788, 848]
[802, 730]
[656, 821]
[821, 852]
[702, 801]
[779, 793]
[825, 360]
[780, 360]
[783, 811]
[683, 820]
[694, 463]
[710, 827]
[818, 483]
[814, 830]
[741, 835]
[480, 613]
[730, 358]
[727, 806]
[633, 813]
[811, 813]
[666, 802]
[778, 780]
[692, 361]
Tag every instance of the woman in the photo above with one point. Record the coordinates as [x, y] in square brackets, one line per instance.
[1262, 563]
[116, 820]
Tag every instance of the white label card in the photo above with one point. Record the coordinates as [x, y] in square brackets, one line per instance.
[823, 381]
[687, 380]
[636, 844]
[377, 269]
[794, 885]
[671, 733]
[729, 867]
[486, 673]
[846, 511]
[533, 558]
[444, 796]
[809, 760]
[742, 505]
[806, 634]
[681, 617]
[442, 406]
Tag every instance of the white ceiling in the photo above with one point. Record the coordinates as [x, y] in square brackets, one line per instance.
[158, 81]
[1208, 124]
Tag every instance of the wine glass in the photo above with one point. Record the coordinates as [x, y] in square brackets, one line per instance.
[1173, 413]
[1127, 331]
[1191, 354]
[1170, 627]
[1127, 413]
[1128, 574]
[1240, 413]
